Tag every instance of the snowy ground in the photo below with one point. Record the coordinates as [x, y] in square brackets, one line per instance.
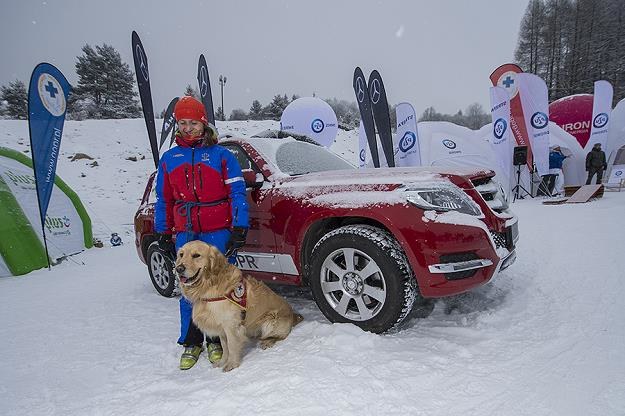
[92, 336]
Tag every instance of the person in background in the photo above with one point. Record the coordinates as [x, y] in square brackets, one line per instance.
[200, 195]
[595, 163]
[556, 158]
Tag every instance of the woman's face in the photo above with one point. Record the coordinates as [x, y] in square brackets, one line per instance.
[190, 128]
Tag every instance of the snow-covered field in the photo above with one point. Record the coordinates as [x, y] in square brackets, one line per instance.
[92, 336]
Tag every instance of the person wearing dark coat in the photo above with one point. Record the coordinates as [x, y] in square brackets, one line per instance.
[595, 163]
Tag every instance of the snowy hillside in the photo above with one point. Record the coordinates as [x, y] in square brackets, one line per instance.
[92, 336]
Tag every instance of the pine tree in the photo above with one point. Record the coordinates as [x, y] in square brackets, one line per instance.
[256, 111]
[192, 92]
[273, 110]
[105, 85]
[219, 114]
[16, 98]
[238, 114]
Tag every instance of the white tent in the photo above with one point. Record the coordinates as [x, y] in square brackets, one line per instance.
[616, 132]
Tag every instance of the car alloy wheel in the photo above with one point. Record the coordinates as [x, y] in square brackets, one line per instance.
[160, 267]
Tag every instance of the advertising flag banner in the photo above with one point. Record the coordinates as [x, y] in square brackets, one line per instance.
[601, 112]
[534, 99]
[47, 103]
[379, 106]
[409, 153]
[203, 81]
[505, 77]
[501, 141]
[312, 117]
[366, 113]
[362, 146]
[145, 93]
[169, 121]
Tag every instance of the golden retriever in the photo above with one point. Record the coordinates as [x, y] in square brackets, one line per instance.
[230, 305]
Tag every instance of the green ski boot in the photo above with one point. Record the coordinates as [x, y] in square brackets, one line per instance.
[214, 352]
[189, 357]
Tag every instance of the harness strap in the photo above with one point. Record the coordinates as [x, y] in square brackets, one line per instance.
[184, 210]
[237, 296]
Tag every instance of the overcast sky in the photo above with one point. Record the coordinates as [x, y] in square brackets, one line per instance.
[429, 53]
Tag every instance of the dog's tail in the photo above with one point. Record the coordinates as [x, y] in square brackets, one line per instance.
[297, 318]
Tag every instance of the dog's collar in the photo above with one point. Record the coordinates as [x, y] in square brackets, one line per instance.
[238, 296]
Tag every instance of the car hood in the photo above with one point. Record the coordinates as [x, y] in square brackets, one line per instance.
[390, 178]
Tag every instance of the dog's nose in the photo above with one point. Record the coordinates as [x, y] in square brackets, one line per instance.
[180, 268]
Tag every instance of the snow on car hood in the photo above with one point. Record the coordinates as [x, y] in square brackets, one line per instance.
[362, 187]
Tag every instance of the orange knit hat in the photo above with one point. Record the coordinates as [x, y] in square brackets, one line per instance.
[189, 108]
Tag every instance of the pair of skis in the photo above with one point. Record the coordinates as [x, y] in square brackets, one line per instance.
[373, 107]
[143, 81]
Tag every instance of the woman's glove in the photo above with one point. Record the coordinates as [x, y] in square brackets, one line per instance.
[166, 244]
[236, 241]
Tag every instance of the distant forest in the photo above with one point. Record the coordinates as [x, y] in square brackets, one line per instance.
[573, 43]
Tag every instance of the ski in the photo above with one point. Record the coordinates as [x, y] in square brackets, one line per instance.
[366, 115]
[169, 122]
[203, 81]
[143, 81]
[379, 104]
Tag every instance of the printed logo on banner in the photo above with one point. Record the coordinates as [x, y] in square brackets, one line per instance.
[51, 94]
[203, 81]
[508, 81]
[56, 224]
[499, 128]
[317, 125]
[360, 95]
[600, 120]
[21, 181]
[142, 64]
[618, 173]
[362, 155]
[408, 141]
[539, 120]
[375, 91]
[450, 144]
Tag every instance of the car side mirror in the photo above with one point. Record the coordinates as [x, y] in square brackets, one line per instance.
[253, 180]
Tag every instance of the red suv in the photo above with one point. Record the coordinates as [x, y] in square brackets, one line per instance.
[367, 242]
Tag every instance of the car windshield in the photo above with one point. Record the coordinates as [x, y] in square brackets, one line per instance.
[298, 158]
[294, 158]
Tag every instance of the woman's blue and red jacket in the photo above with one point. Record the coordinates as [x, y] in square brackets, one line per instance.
[200, 188]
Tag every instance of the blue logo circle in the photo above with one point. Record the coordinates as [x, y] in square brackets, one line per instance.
[539, 120]
[618, 173]
[408, 141]
[499, 128]
[317, 125]
[600, 120]
[362, 155]
[450, 144]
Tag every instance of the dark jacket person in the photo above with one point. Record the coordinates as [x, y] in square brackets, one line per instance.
[595, 163]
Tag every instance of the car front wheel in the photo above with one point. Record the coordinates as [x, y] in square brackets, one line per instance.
[161, 269]
[360, 275]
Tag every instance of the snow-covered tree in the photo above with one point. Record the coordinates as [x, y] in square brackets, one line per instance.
[256, 111]
[273, 110]
[14, 99]
[238, 114]
[105, 86]
[192, 92]
[219, 114]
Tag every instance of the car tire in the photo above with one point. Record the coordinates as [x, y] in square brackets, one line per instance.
[161, 269]
[360, 275]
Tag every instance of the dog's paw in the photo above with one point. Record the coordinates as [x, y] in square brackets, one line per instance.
[219, 363]
[267, 343]
[230, 366]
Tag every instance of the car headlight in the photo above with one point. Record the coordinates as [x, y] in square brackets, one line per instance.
[442, 198]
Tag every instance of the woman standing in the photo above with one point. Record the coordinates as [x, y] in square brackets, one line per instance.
[200, 195]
